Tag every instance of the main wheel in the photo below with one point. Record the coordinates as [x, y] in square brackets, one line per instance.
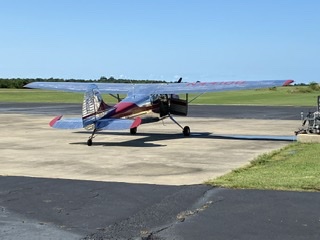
[89, 142]
[186, 131]
[133, 130]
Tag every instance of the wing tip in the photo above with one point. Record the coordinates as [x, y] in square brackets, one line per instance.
[53, 121]
[288, 82]
[28, 86]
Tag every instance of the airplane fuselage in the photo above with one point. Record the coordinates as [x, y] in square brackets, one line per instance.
[139, 105]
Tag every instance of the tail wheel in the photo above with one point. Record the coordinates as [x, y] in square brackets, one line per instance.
[133, 130]
[89, 142]
[186, 131]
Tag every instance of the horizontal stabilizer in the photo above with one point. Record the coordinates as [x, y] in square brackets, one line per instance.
[117, 124]
[68, 123]
[102, 124]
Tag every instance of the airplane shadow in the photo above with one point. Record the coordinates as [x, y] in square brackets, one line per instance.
[149, 139]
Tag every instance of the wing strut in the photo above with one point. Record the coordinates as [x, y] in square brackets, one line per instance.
[116, 97]
[195, 97]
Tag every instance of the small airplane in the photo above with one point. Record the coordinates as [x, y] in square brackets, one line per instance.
[144, 103]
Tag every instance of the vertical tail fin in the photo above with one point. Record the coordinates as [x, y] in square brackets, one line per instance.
[93, 107]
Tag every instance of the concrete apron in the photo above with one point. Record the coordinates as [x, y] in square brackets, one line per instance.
[158, 154]
[308, 138]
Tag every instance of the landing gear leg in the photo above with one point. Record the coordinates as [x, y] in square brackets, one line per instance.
[89, 142]
[133, 130]
[185, 130]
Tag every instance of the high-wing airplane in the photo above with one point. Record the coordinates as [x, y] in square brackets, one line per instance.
[144, 103]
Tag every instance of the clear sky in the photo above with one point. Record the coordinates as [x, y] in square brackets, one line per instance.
[206, 40]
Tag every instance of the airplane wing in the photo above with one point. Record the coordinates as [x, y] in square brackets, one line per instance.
[203, 87]
[160, 88]
[113, 88]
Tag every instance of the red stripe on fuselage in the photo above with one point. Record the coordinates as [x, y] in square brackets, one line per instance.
[126, 109]
[123, 107]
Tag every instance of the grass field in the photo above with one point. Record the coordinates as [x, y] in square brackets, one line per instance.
[282, 96]
[285, 96]
[34, 95]
[296, 167]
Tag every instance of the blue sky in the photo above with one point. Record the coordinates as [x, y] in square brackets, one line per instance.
[206, 40]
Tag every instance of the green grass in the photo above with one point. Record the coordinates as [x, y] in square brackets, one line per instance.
[282, 96]
[296, 167]
[35, 95]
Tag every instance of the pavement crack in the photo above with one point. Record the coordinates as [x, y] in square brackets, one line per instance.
[201, 205]
[146, 235]
[149, 223]
[3, 209]
[19, 189]
[188, 213]
[181, 217]
[94, 196]
[11, 199]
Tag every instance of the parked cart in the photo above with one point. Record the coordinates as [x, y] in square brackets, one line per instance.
[310, 123]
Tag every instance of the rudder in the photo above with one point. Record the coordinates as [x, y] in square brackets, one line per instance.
[93, 107]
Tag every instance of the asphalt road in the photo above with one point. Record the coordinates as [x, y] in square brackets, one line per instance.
[218, 111]
[43, 208]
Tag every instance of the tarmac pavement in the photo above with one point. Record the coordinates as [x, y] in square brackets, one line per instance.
[147, 186]
[158, 154]
[36, 208]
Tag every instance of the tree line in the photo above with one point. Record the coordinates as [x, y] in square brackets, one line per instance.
[20, 82]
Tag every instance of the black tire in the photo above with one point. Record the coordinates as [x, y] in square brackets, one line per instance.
[186, 131]
[133, 130]
[89, 142]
